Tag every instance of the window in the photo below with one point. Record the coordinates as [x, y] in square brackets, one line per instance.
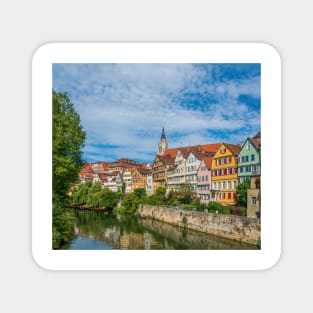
[219, 186]
[252, 157]
[247, 158]
[217, 162]
[224, 185]
[214, 186]
[253, 200]
[247, 168]
[241, 169]
[222, 195]
[229, 195]
[242, 159]
[248, 146]
[206, 177]
[222, 161]
[234, 184]
[229, 185]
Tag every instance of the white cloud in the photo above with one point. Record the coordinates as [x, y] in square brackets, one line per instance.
[126, 105]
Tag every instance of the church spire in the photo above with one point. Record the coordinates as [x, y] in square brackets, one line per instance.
[163, 143]
[163, 133]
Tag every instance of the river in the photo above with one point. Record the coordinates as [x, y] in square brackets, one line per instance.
[105, 231]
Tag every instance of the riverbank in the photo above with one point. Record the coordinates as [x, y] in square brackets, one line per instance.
[239, 228]
[87, 208]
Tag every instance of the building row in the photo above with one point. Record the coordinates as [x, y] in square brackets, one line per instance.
[211, 171]
[115, 175]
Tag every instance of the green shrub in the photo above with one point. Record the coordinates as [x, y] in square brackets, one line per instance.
[202, 207]
[226, 210]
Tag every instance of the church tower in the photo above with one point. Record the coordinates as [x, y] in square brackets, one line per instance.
[162, 144]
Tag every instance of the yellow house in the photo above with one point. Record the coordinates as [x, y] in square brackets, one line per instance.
[224, 173]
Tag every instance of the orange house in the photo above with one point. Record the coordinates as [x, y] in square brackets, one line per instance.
[224, 173]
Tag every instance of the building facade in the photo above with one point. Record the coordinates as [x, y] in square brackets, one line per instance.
[160, 167]
[204, 181]
[249, 159]
[224, 173]
[254, 197]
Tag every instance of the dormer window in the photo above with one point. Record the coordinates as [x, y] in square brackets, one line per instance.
[248, 146]
[223, 150]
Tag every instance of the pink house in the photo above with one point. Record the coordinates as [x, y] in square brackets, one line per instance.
[204, 181]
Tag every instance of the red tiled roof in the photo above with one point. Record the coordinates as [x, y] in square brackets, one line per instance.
[212, 147]
[257, 136]
[86, 169]
[208, 162]
[256, 143]
[235, 149]
[167, 159]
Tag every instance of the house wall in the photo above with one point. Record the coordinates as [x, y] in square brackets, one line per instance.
[192, 165]
[204, 183]
[246, 166]
[225, 184]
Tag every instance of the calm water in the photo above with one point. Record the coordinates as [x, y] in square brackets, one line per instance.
[103, 231]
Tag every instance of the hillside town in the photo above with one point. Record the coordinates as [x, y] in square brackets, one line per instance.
[212, 171]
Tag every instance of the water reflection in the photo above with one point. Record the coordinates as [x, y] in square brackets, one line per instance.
[103, 231]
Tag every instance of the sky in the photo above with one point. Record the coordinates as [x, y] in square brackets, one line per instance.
[123, 107]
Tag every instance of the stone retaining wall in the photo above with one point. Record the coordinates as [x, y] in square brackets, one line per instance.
[228, 226]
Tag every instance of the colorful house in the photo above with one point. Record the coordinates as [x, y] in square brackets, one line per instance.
[177, 175]
[254, 197]
[127, 179]
[140, 177]
[249, 158]
[161, 164]
[224, 173]
[204, 190]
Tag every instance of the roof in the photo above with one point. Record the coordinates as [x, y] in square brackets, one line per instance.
[144, 171]
[256, 143]
[257, 136]
[208, 162]
[167, 159]
[212, 147]
[87, 169]
[235, 149]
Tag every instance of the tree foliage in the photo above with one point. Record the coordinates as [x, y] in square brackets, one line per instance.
[68, 139]
[241, 192]
[93, 195]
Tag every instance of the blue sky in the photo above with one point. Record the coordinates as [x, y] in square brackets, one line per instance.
[123, 107]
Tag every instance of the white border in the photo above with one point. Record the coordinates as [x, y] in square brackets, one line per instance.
[156, 53]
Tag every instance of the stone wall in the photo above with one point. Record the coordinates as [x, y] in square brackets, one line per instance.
[228, 226]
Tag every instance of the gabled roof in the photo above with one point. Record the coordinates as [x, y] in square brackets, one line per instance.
[234, 149]
[167, 159]
[212, 147]
[208, 162]
[257, 136]
[256, 143]
[87, 169]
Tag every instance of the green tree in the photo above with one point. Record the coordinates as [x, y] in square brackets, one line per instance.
[241, 192]
[140, 193]
[131, 203]
[108, 198]
[67, 141]
[186, 193]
